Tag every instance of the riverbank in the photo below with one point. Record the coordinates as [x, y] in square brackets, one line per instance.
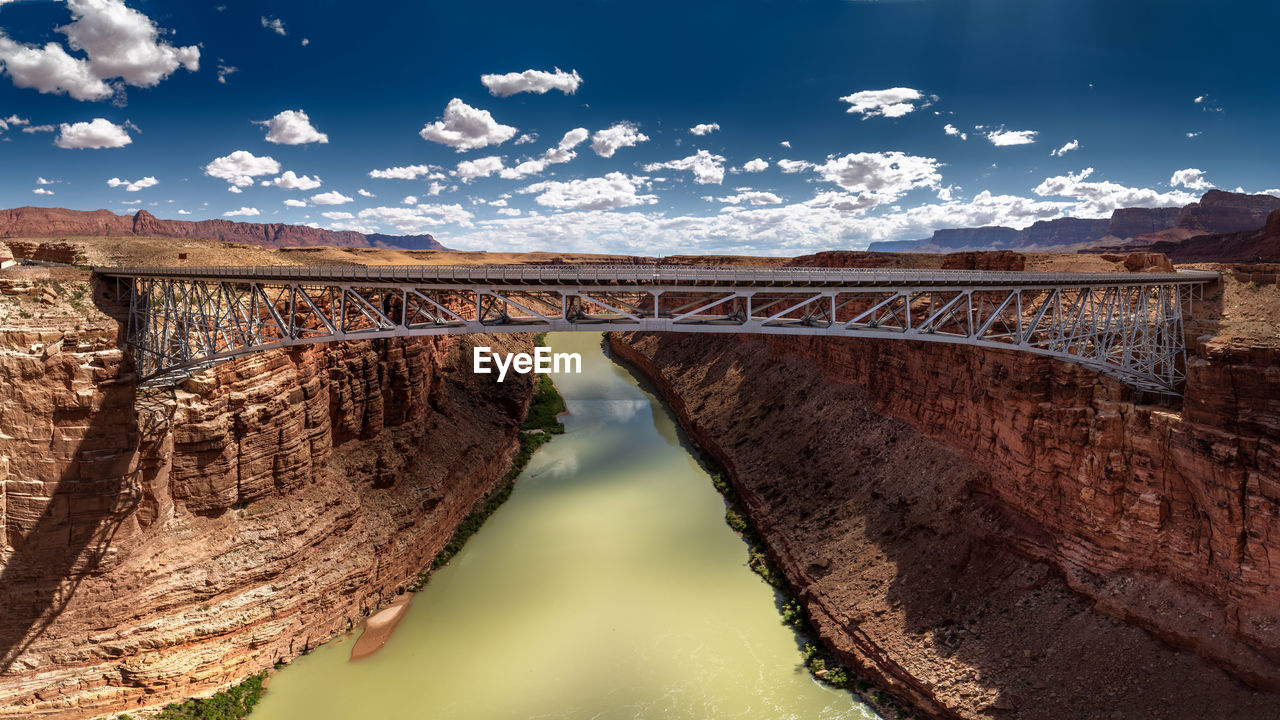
[891, 551]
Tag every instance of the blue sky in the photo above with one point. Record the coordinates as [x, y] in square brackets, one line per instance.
[739, 126]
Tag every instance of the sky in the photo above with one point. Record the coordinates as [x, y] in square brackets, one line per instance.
[771, 127]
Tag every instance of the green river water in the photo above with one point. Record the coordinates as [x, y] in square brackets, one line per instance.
[607, 586]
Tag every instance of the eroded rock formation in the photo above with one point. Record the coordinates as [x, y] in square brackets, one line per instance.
[159, 544]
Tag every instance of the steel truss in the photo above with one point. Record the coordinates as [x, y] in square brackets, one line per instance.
[1129, 326]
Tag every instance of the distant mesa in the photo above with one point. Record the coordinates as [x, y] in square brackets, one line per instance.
[48, 222]
[1128, 229]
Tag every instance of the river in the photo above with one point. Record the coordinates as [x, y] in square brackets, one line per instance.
[607, 586]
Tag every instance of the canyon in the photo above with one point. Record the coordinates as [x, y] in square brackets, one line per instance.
[982, 534]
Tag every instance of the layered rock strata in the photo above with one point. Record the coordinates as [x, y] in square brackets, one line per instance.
[964, 525]
[160, 544]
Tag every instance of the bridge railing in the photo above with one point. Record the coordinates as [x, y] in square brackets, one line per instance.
[652, 274]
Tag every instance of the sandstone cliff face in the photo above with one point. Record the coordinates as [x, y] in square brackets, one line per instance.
[1224, 212]
[161, 546]
[926, 499]
[46, 222]
[1132, 222]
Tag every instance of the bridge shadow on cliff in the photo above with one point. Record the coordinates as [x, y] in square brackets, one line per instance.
[59, 530]
[893, 531]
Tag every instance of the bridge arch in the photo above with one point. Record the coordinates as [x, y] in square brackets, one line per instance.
[1127, 325]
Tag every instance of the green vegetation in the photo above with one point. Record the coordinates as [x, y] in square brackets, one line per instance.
[231, 704]
[544, 408]
[1253, 285]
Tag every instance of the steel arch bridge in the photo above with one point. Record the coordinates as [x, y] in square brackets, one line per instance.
[1126, 325]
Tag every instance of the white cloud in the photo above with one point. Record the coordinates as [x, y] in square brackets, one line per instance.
[365, 193]
[614, 190]
[12, 120]
[306, 42]
[954, 131]
[1207, 103]
[276, 25]
[407, 172]
[289, 180]
[184, 212]
[224, 71]
[331, 198]
[463, 128]
[532, 81]
[756, 165]
[419, 218]
[242, 212]
[704, 128]
[234, 189]
[1073, 145]
[42, 191]
[42, 181]
[791, 167]
[786, 144]
[1099, 199]
[469, 170]
[292, 127]
[619, 135]
[337, 215]
[893, 102]
[291, 202]
[751, 198]
[509, 212]
[561, 153]
[409, 200]
[1002, 138]
[886, 175]
[1197, 133]
[94, 135]
[706, 168]
[1190, 178]
[241, 167]
[134, 186]
[39, 128]
[526, 138]
[118, 42]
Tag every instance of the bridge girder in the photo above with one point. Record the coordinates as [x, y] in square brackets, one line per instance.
[1130, 328]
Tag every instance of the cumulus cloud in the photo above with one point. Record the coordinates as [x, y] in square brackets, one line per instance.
[331, 198]
[134, 186]
[42, 191]
[39, 128]
[338, 215]
[12, 120]
[295, 203]
[786, 144]
[885, 175]
[1190, 178]
[751, 197]
[469, 170]
[275, 25]
[561, 153]
[791, 167]
[526, 138]
[954, 131]
[224, 71]
[241, 167]
[706, 168]
[704, 128]
[119, 43]
[463, 128]
[418, 218]
[289, 180]
[532, 81]
[756, 165]
[365, 193]
[1002, 138]
[93, 135]
[184, 212]
[893, 102]
[614, 190]
[292, 127]
[1073, 145]
[619, 135]
[43, 181]
[1099, 199]
[242, 212]
[408, 172]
